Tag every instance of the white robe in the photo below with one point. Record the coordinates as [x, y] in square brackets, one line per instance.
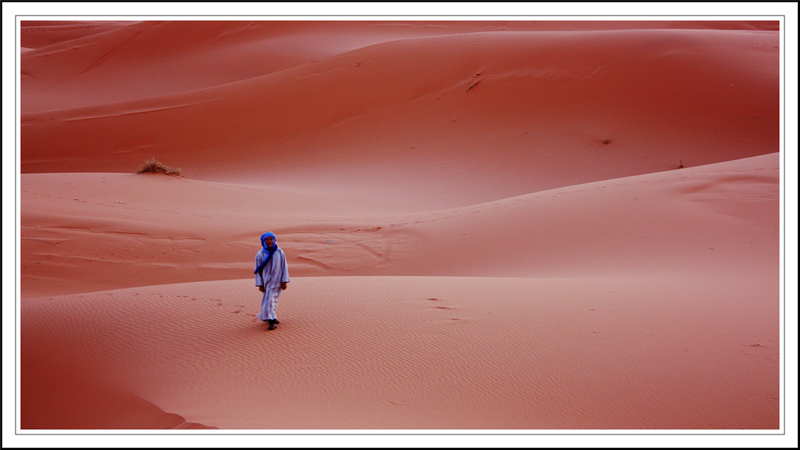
[271, 277]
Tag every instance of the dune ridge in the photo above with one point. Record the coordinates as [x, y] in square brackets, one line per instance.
[734, 198]
[516, 225]
[533, 116]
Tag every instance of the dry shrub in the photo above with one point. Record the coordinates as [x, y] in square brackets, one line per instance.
[154, 166]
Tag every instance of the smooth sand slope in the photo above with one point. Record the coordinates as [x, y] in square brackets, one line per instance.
[509, 225]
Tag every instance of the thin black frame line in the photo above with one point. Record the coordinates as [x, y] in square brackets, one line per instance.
[576, 432]
[722, 18]
[18, 429]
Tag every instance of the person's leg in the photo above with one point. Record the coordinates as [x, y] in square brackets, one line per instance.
[274, 306]
[263, 314]
[270, 307]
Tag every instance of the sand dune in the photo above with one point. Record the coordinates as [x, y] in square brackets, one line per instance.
[626, 102]
[508, 225]
[425, 352]
[130, 230]
[387, 348]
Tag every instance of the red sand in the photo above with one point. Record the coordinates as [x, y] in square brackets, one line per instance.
[489, 226]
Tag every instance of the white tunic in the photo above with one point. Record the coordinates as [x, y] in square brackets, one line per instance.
[271, 277]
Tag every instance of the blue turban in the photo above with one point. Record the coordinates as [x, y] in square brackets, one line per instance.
[268, 250]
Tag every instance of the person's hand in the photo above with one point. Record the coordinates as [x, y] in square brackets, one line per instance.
[284, 286]
[261, 288]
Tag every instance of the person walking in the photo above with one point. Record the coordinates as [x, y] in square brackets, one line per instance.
[272, 277]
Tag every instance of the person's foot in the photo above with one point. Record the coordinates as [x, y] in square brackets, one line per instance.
[276, 321]
[271, 326]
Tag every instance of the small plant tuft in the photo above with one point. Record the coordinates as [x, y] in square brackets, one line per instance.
[154, 166]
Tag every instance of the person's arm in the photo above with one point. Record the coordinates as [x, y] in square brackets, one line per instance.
[259, 280]
[285, 275]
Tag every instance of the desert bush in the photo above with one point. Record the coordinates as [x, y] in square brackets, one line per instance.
[154, 166]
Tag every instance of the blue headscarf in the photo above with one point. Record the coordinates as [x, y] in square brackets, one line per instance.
[268, 250]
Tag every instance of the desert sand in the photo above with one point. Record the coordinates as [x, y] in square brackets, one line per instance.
[517, 225]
